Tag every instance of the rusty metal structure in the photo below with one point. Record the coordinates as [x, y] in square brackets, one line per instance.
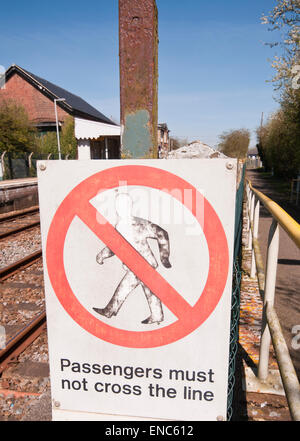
[138, 42]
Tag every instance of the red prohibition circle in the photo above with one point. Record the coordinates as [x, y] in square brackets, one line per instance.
[77, 203]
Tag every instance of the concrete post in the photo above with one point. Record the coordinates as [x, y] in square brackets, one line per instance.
[138, 35]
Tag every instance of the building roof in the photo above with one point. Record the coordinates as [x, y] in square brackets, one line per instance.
[73, 104]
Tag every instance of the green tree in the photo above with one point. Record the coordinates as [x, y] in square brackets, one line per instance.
[47, 143]
[234, 143]
[279, 141]
[68, 140]
[17, 135]
[176, 142]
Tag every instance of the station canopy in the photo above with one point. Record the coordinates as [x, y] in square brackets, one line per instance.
[85, 129]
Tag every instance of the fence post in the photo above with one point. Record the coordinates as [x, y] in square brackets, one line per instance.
[3, 164]
[269, 294]
[29, 160]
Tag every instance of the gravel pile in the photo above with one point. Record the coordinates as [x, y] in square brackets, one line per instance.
[194, 150]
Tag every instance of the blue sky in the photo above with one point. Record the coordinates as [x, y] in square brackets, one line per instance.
[213, 65]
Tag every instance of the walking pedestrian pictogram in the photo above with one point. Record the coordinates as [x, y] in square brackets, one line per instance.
[137, 231]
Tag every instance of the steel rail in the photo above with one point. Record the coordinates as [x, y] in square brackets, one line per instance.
[22, 340]
[21, 264]
[25, 336]
[19, 229]
[18, 213]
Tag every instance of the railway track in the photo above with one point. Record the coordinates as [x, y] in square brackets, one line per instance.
[24, 370]
[19, 342]
[13, 214]
[19, 265]
[22, 305]
[18, 221]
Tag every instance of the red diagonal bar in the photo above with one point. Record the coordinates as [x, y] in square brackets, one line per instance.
[133, 260]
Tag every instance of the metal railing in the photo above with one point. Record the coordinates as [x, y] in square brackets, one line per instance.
[271, 329]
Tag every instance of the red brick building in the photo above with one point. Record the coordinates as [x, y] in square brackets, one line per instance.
[33, 98]
[37, 96]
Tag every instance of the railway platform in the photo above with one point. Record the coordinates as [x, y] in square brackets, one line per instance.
[14, 183]
[18, 194]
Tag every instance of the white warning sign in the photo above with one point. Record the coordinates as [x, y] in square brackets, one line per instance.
[138, 268]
